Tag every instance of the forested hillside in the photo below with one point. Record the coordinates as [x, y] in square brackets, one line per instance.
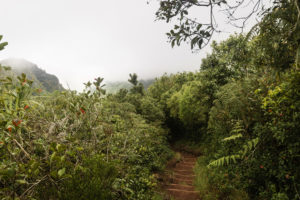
[240, 112]
[40, 77]
[114, 87]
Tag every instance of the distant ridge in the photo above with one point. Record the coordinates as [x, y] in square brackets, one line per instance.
[115, 86]
[40, 77]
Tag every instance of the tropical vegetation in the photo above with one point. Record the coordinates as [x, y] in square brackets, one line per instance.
[241, 109]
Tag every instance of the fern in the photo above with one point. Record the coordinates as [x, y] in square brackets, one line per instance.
[226, 160]
[249, 146]
[237, 131]
[233, 137]
[254, 31]
[246, 148]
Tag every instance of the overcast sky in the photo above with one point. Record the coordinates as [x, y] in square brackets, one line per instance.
[78, 40]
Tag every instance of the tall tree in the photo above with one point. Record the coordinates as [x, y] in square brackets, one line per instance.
[137, 86]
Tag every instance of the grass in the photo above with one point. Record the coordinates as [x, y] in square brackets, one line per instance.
[202, 180]
[157, 196]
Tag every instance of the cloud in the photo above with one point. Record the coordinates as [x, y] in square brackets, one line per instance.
[78, 40]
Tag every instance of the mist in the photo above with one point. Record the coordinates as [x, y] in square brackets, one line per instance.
[80, 40]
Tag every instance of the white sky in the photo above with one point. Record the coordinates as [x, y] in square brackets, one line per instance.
[79, 40]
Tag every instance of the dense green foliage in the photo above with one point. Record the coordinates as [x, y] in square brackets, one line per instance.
[69, 145]
[243, 109]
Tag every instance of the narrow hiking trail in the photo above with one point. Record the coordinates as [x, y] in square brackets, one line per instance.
[181, 183]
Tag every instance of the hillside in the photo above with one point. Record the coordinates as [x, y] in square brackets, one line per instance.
[113, 87]
[41, 78]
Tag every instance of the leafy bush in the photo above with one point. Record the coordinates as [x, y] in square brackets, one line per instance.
[69, 145]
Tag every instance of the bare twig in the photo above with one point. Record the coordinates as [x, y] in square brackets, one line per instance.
[25, 152]
[33, 185]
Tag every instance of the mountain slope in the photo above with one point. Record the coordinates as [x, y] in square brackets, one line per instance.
[41, 78]
[113, 87]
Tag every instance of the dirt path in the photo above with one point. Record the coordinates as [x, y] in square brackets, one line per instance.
[181, 182]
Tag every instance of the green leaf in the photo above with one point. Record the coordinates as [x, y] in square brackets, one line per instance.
[52, 157]
[21, 181]
[298, 57]
[200, 43]
[199, 26]
[2, 45]
[185, 12]
[233, 137]
[36, 172]
[61, 172]
[221, 161]
[173, 43]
